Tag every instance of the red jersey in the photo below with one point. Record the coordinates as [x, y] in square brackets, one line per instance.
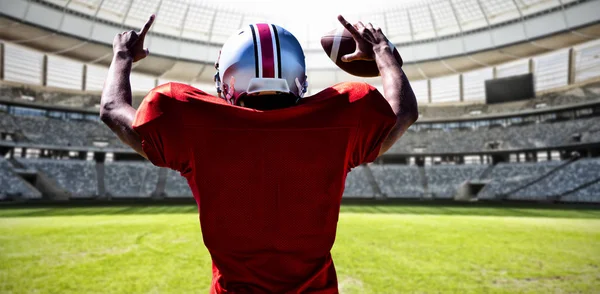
[268, 184]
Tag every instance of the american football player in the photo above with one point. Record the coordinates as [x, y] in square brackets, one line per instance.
[265, 164]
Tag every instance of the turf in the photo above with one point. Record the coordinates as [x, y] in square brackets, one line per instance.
[379, 249]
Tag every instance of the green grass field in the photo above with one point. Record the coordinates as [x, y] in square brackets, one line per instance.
[379, 249]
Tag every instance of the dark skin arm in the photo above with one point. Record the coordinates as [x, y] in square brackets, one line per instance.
[115, 104]
[371, 44]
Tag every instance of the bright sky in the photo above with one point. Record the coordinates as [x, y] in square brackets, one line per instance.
[311, 9]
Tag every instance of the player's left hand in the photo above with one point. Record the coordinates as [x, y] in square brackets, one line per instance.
[131, 44]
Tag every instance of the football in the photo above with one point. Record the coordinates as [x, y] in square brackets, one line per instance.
[339, 42]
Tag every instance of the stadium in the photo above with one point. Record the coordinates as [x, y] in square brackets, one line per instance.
[495, 188]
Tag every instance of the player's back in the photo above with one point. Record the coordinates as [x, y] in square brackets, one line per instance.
[269, 183]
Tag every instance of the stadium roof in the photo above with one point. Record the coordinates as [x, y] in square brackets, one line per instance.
[436, 38]
[403, 21]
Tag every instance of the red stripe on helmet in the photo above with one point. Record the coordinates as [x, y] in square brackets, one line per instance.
[266, 48]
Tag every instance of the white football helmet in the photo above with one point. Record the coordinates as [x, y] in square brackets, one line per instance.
[260, 59]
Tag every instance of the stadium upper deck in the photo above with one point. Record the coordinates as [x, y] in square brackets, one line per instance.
[552, 71]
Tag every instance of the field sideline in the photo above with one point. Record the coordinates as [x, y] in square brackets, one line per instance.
[379, 249]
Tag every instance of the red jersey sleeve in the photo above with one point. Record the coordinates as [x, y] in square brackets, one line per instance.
[375, 121]
[160, 129]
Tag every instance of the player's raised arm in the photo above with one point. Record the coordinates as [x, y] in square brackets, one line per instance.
[371, 44]
[115, 104]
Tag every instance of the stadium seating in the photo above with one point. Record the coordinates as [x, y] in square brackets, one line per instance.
[130, 179]
[443, 180]
[7, 123]
[80, 133]
[76, 176]
[57, 132]
[519, 169]
[65, 98]
[12, 186]
[398, 181]
[564, 180]
[45, 130]
[90, 101]
[506, 177]
[590, 194]
[357, 184]
[177, 185]
[532, 135]
[136, 179]
[50, 131]
[577, 181]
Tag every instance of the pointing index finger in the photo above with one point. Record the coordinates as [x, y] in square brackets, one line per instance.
[349, 26]
[147, 26]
